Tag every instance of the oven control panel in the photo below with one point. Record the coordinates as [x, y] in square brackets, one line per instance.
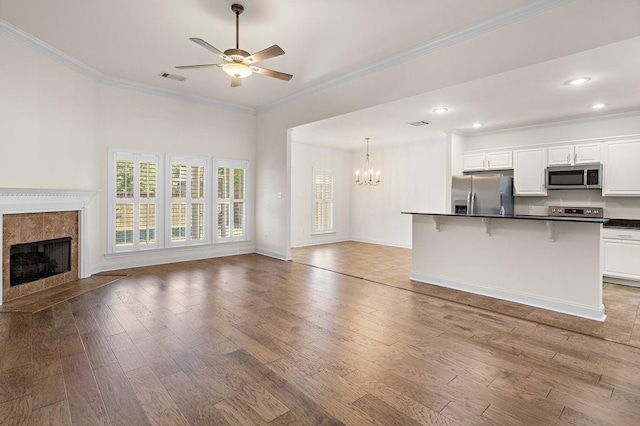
[575, 211]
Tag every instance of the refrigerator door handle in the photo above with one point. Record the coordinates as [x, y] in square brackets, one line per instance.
[473, 202]
[469, 202]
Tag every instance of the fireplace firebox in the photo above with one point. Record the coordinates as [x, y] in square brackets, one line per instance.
[40, 259]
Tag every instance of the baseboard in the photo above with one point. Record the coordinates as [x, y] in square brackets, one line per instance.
[622, 281]
[381, 242]
[319, 241]
[596, 314]
[273, 254]
[150, 259]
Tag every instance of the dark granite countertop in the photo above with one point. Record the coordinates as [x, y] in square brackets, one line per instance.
[623, 223]
[521, 216]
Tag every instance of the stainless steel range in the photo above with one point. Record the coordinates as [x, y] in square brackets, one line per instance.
[575, 211]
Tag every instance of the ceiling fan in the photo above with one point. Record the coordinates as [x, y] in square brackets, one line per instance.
[239, 63]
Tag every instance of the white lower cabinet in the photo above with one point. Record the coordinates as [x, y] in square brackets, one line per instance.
[621, 249]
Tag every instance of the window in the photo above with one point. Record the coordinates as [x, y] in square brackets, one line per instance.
[231, 203]
[323, 200]
[134, 201]
[188, 200]
[162, 201]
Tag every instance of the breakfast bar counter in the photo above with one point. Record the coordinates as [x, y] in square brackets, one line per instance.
[544, 261]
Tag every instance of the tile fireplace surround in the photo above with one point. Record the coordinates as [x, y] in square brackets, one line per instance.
[28, 215]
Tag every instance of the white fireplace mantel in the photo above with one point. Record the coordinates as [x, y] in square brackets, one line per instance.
[39, 200]
[33, 200]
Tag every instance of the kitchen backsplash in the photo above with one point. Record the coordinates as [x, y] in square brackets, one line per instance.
[614, 207]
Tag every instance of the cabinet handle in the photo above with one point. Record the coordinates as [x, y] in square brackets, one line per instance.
[488, 164]
[625, 236]
[568, 158]
[575, 157]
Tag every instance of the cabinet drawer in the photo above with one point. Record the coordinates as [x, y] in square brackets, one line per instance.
[621, 234]
[621, 259]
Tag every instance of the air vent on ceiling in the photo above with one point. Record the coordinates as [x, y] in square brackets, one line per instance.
[173, 76]
[419, 123]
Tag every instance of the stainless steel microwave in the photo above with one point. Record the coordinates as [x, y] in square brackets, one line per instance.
[584, 176]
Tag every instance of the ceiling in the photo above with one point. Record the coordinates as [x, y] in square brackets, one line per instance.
[330, 41]
[523, 97]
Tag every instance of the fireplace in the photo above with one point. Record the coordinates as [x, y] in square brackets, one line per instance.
[40, 259]
[30, 220]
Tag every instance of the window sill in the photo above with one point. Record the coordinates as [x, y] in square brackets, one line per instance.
[323, 233]
[154, 251]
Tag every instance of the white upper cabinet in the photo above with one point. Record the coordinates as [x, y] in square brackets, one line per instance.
[529, 167]
[499, 160]
[574, 154]
[621, 170]
[472, 162]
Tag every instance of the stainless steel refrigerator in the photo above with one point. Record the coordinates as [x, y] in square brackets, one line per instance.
[486, 194]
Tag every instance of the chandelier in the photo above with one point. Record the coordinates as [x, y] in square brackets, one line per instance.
[365, 176]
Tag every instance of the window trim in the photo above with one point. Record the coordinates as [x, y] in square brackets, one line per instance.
[163, 202]
[189, 161]
[112, 200]
[232, 164]
[316, 171]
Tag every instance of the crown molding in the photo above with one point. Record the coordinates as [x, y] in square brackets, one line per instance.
[529, 9]
[85, 70]
[553, 124]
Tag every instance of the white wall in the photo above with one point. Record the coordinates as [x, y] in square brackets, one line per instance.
[413, 178]
[598, 127]
[58, 125]
[303, 159]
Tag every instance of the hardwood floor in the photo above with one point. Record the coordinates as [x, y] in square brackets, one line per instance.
[392, 266]
[252, 340]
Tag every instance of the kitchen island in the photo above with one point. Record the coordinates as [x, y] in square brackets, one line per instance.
[548, 262]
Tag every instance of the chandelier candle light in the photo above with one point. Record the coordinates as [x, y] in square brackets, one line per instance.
[364, 176]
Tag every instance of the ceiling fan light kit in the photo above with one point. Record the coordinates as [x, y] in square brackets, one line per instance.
[240, 63]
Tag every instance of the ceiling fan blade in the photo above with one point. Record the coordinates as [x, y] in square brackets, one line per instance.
[269, 52]
[236, 81]
[271, 73]
[184, 67]
[207, 46]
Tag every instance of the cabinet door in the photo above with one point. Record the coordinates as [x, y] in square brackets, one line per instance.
[500, 160]
[473, 162]
[621, 171]
[560, 155]
[621, 259]
[528, 171]
[587, 153]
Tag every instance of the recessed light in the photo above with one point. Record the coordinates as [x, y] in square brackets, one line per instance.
[440, 110]
[598, 106]
[477, 124]
[577, 81]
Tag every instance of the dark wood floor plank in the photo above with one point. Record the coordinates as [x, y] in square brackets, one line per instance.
[16, 411]
[127, 354]
[262, 402]
[48, 391]
[98, 350]
[121, 403]
[156, 356]
[54, 414]
[382, 412]
[84, 399]
[193, 403]
[237, 412]
[15, 383]
[248, 339]
[156, 402]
